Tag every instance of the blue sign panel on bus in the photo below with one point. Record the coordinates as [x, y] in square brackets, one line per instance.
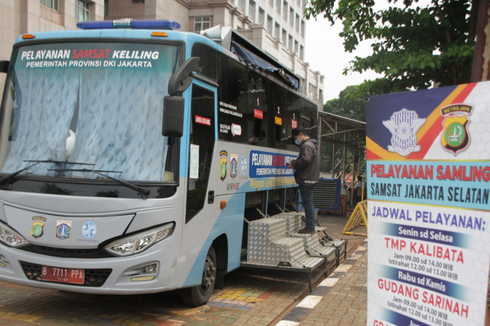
[267, 164]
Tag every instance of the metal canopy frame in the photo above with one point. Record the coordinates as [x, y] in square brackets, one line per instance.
[343, 147]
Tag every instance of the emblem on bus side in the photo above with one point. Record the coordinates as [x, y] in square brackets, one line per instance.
[455, 137]
[244, 164]
[37, 230]
[233, 165]
[89, 229]
[222, 165]
[403, 126]
[63, 229]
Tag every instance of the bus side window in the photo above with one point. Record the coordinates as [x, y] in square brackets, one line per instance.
[208, 60]
[202, 135]
[257, 117]
[280, 124]
[308, 116]
[232, 109]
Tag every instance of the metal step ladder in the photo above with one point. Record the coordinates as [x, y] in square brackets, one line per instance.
[275, 241]
[268, 244]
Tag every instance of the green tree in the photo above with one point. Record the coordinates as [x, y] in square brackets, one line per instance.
[413, 45]
[350, 104]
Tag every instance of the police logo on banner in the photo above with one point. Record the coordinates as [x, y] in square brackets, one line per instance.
[403, 126]
[455, 137]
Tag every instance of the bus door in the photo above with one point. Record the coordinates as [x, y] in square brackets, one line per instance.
[202, 137]
[201, 210]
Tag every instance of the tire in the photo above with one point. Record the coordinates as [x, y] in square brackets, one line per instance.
[199, 295]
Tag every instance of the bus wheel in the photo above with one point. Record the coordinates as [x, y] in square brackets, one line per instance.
[199, 295]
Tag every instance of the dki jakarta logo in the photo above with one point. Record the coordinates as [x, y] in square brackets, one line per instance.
[403, 126]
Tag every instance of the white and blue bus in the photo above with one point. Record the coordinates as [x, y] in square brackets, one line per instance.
[131, 154]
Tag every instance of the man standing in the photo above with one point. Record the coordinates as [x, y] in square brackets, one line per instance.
[306, 174]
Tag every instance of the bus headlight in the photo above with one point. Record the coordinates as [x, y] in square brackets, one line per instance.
[11, 238]
[139, 242]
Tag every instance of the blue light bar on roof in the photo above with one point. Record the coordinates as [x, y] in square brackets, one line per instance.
[130, 23]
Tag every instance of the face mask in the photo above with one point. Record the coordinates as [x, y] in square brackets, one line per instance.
[297, 141]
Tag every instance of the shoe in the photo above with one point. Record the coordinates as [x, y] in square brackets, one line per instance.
[306, 231]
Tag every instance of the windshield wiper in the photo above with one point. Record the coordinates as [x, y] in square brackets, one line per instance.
[142, 191]
[58, 162]
[6, 178]
[13, 174]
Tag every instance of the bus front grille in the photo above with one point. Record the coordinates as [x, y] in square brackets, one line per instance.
[68, 253]
[93, 277]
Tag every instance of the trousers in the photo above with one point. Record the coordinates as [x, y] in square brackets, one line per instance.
[306, 192]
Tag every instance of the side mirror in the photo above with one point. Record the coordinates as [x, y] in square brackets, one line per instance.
[173, 105]
[180, 79]
[173, 116]
[4, 66]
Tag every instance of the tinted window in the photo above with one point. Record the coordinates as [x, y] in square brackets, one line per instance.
[252, 105]
[208, 59]
[257, 115]
[201, 135]
[281, 121]
[232, 108]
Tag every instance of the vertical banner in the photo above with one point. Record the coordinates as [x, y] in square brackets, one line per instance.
[428, 186]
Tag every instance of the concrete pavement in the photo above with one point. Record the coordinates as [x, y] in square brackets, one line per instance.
[340, 299]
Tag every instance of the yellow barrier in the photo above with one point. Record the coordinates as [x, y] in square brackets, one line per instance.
[357, 218]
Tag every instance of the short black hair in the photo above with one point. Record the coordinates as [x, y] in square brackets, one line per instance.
[298, 131]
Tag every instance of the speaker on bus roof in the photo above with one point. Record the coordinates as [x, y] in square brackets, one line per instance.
[213, 33]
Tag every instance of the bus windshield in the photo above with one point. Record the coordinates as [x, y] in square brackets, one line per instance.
[99, 104]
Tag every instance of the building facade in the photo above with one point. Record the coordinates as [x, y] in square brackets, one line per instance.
[275, 26]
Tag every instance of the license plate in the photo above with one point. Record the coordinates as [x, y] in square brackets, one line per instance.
[63, 275]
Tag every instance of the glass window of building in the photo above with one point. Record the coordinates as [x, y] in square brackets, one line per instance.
[82, 11]
[201, 23]
[278, 6]
[284, 37]
[251, 10]
[52, 4]
[302, 28]
[241, 4]
[312, 91]
[285, 10]
[261, 16]
[270, 24]
[301, 52]
[271, 3]
[277, 31]
[291, 17]
[290, 45]
[297, 23]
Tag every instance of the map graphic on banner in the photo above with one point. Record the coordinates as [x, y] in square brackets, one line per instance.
[428, 184]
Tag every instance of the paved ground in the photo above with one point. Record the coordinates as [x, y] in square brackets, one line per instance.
[340, 299]
[249, 298]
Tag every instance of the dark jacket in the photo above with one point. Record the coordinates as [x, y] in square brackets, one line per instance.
[306, 165]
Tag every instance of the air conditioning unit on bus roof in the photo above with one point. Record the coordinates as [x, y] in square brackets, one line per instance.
[213, 33]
